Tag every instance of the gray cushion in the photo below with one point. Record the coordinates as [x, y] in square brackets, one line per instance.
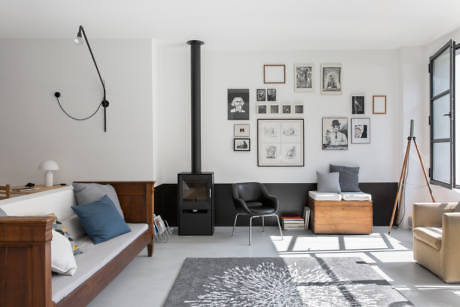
[348, 178]
[86, 193]
[3, 213]
[328, 182]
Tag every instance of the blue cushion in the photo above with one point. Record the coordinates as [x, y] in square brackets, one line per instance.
[101, 220]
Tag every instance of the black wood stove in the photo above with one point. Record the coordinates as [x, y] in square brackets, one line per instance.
[196, 188]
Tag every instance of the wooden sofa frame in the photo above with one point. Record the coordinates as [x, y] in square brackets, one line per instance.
[25, 253]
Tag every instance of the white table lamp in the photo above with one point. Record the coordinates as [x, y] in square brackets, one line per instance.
[49, 166]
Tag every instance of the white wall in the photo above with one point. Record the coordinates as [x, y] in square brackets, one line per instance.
[368, 72]
[34, 129]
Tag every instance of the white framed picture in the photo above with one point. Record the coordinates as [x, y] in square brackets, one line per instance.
[331, 79]
[335, 133]
[303, 77]
[274, 73]
[241, 130]
[280, 142]
[241, 144]
[360, 130]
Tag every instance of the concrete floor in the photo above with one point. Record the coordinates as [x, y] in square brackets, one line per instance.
[147, 281]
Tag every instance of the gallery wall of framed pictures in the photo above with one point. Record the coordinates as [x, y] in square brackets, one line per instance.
[280, 123]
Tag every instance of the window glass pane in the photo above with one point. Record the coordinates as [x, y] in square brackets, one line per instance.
[441, 72]
[441, 162]
[441, 119]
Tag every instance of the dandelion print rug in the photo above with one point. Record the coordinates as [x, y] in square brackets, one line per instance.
[259, 282]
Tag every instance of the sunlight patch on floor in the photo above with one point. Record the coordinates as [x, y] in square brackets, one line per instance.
[364, 242]
[394, 256]
[281, 245]
[316, 243]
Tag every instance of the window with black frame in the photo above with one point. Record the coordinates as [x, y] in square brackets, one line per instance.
[442, 116]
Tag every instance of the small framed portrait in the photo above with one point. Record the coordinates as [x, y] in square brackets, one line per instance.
[303, 77]
[241, 130]
[274, 73]
[274, 109]
[360, 130]
[357, 104]
[241, 144]
[261, 94]
[262, 108]
[238, 104]
[298, 108]
[331, 79]
[271, 94]
[287, 109]
[379, 104]
[335, 133]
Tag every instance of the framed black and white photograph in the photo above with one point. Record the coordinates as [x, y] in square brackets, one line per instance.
[331, 79]
[274, 73]
[262, 108]
[379, 104]
[261, 94]
[271, 94]
[274, 109]
[287, 109]
[238, 104]
[241, 130]
[303, 77]
[298, 108]
[280, 142]
[335, 133]
[360, 130]
[241, 144]
[357, 104]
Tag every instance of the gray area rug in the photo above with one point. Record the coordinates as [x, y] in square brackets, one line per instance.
[306, 281]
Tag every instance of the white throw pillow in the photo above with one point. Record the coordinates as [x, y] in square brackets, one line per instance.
[62, 258]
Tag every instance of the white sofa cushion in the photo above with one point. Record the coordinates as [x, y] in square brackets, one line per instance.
[325, 196]
[356, 196]
[93, 258]
[62, 258]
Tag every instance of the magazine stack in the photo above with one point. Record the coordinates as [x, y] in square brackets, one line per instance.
[293, 222]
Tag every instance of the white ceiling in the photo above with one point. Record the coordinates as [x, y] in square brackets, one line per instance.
[239, 24]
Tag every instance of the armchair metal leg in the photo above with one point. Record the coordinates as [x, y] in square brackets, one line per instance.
[263, 223]
[279, 225]
[234, 223]
[250, 229]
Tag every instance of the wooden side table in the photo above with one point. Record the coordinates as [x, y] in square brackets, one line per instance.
[22, 190]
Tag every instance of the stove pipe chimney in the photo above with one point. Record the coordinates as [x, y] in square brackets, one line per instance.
[195, 46]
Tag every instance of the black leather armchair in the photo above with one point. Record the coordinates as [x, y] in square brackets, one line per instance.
[253, 199]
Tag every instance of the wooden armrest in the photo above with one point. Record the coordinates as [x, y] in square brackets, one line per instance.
[25, 261]
[25, 229]
[430, 214]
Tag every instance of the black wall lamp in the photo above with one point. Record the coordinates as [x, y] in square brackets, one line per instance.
[104, 103]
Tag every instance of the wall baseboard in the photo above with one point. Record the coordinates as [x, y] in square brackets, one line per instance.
[292, 197]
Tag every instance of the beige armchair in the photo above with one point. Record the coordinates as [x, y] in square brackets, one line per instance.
[437, 239]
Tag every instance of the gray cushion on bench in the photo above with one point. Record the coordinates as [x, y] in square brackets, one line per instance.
[328, 182]
[348, 178]
[94, 257]
[86, 193]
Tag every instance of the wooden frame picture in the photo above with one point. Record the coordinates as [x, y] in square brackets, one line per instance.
[241, 144]
[280, 142]
[303, 77]
[331, 79]
[361, 130]
[274, 74]
[241, 130]
[379, 104]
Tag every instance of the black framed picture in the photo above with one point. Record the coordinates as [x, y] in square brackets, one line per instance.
[262, 108]
[357, 104]
[274, 109]
[271, 94]
[298, 109]
[280, 142]
[241, 144]
[287, 109]
[360, 130]
[238, 104]
[261, 94]
[335, 133]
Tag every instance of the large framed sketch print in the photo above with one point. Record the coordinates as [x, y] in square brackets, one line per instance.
[280, 142]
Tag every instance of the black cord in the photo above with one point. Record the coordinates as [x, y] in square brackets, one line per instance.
[76, 118]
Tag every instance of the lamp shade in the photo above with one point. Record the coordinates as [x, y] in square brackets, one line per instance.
[48, 165]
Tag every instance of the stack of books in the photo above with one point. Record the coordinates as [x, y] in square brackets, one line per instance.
[293, 222]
